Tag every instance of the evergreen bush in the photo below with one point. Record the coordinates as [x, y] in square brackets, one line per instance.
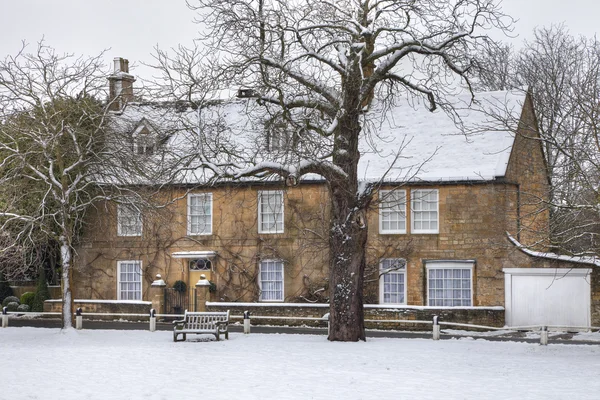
[23, 308]
[41, 293]
[5, 289]
[180, 286]
[10, 299]
[28, 298]
[12, 306]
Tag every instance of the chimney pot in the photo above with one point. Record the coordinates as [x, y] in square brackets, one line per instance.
[121, 84]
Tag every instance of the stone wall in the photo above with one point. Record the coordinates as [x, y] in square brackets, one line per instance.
[55, 292]
[488, 316]
[235, 238]
[99, 306]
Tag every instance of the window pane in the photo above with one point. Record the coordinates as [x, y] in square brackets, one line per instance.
[129, 220]
[392, 281]
[424, 210]
[393, 210]
[130, 280]
[271, 280]
[199, 214]
[448, 286]
[270, 212]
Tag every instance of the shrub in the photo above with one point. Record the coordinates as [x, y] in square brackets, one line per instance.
[212, 288]
[23, 308]
[27, 299]
[5, 289]
[180, 286]
[10, 299]
[41, 293]
[12, 306]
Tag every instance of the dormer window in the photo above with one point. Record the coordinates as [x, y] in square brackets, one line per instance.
[144, 139]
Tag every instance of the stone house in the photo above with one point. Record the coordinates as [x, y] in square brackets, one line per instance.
[459, 227]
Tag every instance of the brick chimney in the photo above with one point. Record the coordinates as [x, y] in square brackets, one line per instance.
[120, 85]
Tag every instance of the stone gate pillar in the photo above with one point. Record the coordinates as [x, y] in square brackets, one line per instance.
[156, 294]
[202, 293]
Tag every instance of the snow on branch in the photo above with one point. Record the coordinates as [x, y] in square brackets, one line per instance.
[553, 256]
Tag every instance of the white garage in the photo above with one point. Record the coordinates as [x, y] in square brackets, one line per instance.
[547, 296]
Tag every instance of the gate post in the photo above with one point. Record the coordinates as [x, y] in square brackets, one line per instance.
[544, 336]
[436, 328]
[202, 293]
[5, 317]
[156, 294]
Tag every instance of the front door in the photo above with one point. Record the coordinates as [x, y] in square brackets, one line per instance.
[196, 269]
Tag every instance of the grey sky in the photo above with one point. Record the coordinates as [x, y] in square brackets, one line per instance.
[131, 28]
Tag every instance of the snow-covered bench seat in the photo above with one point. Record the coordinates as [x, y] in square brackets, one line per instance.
[214, 323]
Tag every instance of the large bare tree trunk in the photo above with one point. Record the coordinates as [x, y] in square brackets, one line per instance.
[348, 234]
[347, 239]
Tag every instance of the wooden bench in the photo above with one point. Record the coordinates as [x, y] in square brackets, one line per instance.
[214, 323]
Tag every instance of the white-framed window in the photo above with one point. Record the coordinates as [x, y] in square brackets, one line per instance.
[270, 280]
[199, 210]
[425, 211]
[129, 280]
[392, 211]
[129, 220]
[144, 139]
[392, 282]
[270, 211]
[449, 283]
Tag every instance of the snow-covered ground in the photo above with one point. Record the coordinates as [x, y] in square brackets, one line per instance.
[109, 364]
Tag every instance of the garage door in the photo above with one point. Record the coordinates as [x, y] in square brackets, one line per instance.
[548, 296]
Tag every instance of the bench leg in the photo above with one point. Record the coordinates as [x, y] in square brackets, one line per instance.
[227, 335]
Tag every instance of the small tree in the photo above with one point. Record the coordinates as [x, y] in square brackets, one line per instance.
[5, 289]
[562, 72]
[41, 293]
[58, 156]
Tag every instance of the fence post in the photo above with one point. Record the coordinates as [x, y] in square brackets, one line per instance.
[152, 320]
[78, 319]
[246, 322]
[5, 317]
[544, 336]
[436, 328]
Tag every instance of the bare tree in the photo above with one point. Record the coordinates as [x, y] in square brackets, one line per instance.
[562, 73]
[325, 71]
[57, 156]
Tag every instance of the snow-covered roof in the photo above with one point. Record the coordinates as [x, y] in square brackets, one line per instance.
[434, 148]
[409, 143]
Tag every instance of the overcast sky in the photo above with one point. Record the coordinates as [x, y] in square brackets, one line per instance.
[131, 28]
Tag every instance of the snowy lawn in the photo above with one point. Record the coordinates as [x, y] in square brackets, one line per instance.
[94, 364]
